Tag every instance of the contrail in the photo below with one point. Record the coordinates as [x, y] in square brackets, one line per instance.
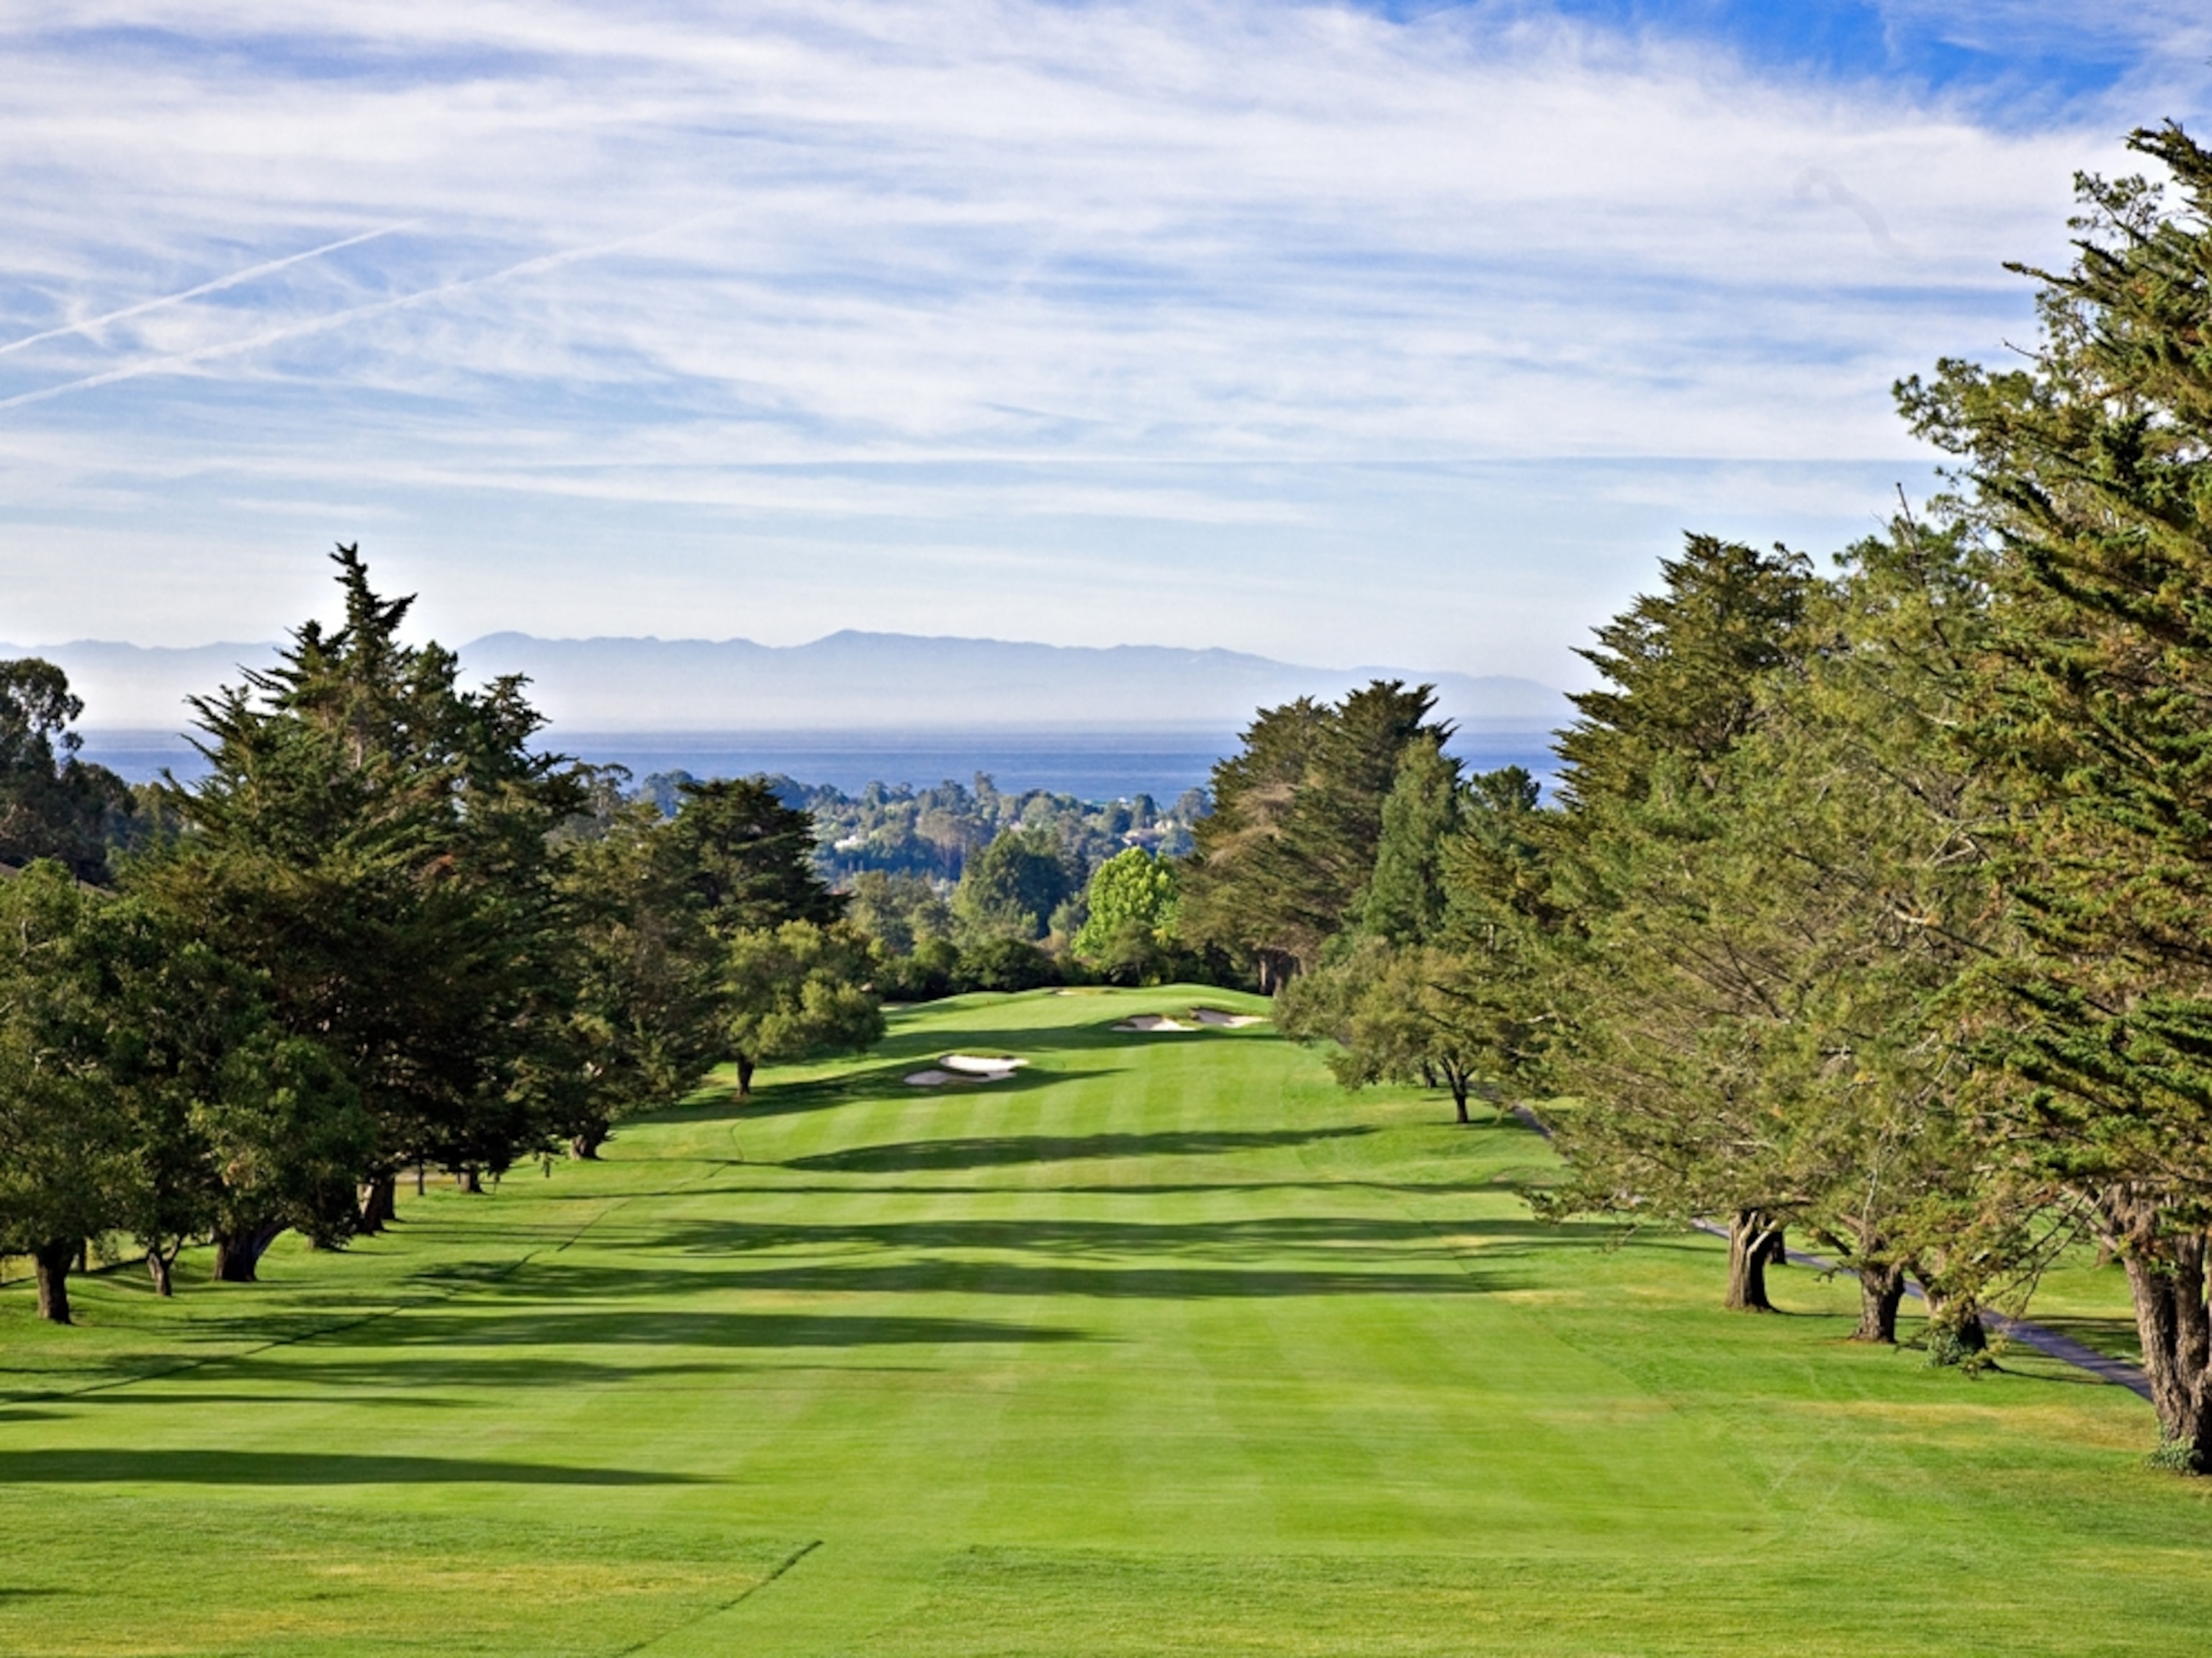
[1819, 178]
[316, 324]
[230, 281]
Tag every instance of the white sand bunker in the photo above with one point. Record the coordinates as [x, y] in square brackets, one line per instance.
[1152, 1022]
[985, 1066]
[966, 1067]
[1228, 1020]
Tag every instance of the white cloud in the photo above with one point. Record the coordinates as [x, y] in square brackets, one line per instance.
[855, 266]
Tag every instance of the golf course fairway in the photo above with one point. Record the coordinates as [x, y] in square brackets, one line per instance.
[1161, 1345]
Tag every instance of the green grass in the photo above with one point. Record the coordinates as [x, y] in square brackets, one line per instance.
[1167, 1346]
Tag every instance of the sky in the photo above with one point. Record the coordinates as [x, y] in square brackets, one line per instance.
[1403, 332]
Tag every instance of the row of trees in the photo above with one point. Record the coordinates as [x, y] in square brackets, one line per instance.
[1872, 903]
[384, 931]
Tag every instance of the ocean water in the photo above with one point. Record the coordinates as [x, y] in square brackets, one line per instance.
[1097, 765]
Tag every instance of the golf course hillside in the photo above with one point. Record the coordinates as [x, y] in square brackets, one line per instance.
[1160, 1343]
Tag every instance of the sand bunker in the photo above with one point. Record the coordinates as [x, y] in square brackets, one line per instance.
[1229, 1020]
[1152, 1022]
[964, 1068]
[976, 1064]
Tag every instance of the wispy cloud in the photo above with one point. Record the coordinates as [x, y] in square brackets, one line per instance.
[978, 264]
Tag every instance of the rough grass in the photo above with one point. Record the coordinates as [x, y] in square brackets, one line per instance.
[1165, 1346]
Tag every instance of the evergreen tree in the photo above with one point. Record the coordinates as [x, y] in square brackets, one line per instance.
[372, 842]
[901, 912]
[1421, 817]
[2086, 466]
[1661, 1006]
[1011, 889]
[751, 858]
[1283, 864]
[65, 1135]
[648, 1013]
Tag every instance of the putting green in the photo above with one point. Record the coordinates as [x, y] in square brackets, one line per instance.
[1161, 1345]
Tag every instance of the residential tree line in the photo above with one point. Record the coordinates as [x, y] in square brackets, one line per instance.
[1872, 902]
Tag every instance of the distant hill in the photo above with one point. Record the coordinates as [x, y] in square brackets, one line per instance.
[144, 686]
[854, 679]
[848, 680]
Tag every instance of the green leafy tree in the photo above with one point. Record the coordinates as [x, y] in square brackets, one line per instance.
[236, 1130]
[1011, 889]
[64, 1134]
[647, 1020]
[1129, 929]
[1005, 964]
[796, 990]
[52, 804]
[1398, 1013]
[1421, 817]
[900, 911]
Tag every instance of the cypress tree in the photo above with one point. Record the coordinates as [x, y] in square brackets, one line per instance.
[2087, 469]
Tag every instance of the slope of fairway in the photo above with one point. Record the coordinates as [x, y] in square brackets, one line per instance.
[1163, 1345]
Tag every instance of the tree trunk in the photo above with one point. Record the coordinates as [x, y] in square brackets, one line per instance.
[158, 1264]
[1458, 1096]
[470, 1181]
[1754, 1244]
[54, 1259]
[2167, 1277]
[1881, 1291]
[585, 1147]
[745, 1068]
[238, 1254]
[379, 1205]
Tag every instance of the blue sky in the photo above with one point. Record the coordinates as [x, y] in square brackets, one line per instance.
[1401, 332]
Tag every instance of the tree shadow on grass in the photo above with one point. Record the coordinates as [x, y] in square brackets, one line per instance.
[556, 1326]
[909, 1156]
[1346, 1237]
[1447, 1277]
[1131, 1189]
[301, 1468]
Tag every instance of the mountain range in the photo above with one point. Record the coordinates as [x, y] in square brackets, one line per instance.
[847, 681]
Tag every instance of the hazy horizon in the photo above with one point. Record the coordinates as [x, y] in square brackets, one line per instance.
[846, 680]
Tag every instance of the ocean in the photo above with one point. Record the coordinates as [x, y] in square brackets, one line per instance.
[1092, 765]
